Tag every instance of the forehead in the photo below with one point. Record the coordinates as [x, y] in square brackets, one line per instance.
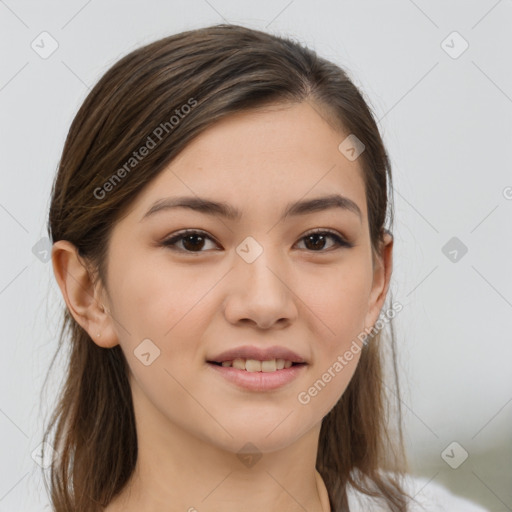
[260, 159]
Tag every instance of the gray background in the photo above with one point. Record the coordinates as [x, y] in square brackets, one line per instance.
[446, 118]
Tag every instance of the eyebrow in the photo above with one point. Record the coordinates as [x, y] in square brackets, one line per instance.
[229, 212]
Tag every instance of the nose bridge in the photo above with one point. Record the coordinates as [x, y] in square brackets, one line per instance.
[258, 267]
[260, 291]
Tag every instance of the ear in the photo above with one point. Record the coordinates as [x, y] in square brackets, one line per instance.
[382, 268]
[83, 298]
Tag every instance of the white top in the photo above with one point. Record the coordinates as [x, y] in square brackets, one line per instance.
[430, 497]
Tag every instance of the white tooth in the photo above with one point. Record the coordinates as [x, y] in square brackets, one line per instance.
[253, 365]
[268, 366]
[239, 364]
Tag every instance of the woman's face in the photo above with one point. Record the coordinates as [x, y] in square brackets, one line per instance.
[256, 282]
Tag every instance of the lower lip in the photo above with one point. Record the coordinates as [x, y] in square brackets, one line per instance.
[259, 381]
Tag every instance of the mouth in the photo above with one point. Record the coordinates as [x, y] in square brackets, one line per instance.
[254, 375]
[255, 365]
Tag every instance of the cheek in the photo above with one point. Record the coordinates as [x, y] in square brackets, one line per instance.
[158, 301]
[336, 306]
[336, 302]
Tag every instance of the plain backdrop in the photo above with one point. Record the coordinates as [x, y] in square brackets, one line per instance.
[439, 77]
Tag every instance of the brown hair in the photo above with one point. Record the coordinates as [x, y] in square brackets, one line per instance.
[214, 71]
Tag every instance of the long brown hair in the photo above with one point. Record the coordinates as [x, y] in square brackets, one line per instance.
[214, 71]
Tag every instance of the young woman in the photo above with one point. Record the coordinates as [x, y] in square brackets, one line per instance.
[219, 238]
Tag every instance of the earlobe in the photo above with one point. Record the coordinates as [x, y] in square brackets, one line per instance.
[381, 279]
[81, 295]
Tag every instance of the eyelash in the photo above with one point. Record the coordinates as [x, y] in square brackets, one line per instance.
[171, 242]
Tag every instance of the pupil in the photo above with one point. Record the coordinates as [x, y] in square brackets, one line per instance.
[191, 242]
[188, 240]
[320, 237]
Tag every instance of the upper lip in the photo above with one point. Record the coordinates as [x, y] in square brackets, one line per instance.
[258, 353]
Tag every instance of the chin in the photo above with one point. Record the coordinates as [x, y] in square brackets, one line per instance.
[265, 436]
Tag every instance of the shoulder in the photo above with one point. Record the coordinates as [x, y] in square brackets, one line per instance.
[428, 497]
[433, 497]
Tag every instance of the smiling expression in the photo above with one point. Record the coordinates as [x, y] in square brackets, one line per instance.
[250, 273]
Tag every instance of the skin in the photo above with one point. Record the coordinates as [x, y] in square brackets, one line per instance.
[191, 422]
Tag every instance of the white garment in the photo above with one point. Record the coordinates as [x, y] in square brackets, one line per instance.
[429, 497]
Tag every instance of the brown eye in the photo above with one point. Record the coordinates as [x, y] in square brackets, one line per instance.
[191, 241]
[317, 240]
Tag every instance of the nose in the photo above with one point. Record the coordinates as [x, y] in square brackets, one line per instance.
[261, 293]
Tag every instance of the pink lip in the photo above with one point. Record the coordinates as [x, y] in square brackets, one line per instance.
[258, 353]
[259, 381]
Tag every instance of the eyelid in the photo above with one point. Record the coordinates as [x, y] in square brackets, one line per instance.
[341, 240]
[324, 230]
[178, 235]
